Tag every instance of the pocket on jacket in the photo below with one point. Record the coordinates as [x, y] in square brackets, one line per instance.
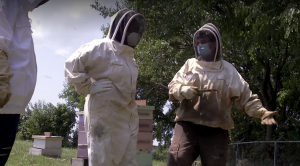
[222, 78]
[18, 90]
[221, 84]
[190, 79]
[116, 69]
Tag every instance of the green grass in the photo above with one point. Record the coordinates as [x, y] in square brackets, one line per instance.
[20, 157]
[159, 163]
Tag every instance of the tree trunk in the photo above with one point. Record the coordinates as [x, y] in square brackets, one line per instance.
[271, 106]
[269, 133]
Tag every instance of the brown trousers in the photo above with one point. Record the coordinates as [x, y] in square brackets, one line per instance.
[191, 140]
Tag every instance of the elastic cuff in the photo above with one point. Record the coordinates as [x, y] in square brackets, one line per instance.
[263, 112]
[83, 88]
[268, 114]
[177, 93]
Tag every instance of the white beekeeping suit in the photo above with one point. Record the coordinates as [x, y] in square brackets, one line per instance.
[105, 72]
[18, 69]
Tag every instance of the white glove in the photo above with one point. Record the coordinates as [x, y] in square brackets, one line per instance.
[188, 92]
[100, 86]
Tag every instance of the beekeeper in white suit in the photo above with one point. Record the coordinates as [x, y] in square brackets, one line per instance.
[105, 71]
[18, 70]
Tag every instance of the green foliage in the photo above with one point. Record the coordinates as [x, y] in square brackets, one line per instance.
[76, 103]
[158, 63]
[73, 99]
[260, 38]
[262, 154]
[43, 117]
[160, 154]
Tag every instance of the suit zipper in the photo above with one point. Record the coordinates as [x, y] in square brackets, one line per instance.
[131, 87]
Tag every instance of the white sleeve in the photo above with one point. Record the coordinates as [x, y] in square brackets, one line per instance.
[176, 83]
[75, 71]
[244, 99]
[75, 66]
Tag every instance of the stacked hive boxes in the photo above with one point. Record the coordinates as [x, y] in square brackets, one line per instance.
[145, 138]
[144, 144]
[82, 140]
[82, 150]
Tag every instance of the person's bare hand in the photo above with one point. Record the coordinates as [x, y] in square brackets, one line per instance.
[268, 118]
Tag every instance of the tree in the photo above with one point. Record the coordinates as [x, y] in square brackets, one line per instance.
[45, 117]
[260, 39]
[73, 99]
[76, 103]
[24, 118]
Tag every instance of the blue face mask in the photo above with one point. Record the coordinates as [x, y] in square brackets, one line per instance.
[203, 50]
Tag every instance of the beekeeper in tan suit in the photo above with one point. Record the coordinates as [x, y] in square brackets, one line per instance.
[203, 119]
[105, 72]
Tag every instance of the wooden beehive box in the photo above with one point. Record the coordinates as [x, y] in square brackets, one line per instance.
[82, 151]
[145, 138]
[46, 145]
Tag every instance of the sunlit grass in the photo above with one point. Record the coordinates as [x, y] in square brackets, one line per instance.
[20, 157]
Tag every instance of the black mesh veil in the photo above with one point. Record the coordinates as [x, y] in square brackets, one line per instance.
[125, 22]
